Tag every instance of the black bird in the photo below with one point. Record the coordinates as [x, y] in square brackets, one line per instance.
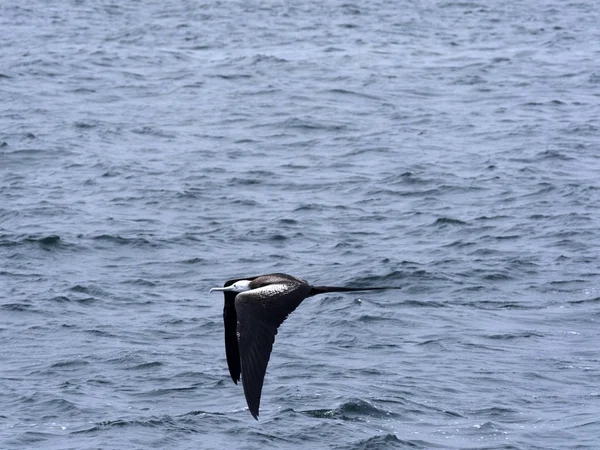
[254, 309]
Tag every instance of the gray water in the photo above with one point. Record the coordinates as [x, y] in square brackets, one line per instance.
[152, 150]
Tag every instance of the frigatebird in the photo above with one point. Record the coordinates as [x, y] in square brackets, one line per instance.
[254, 309]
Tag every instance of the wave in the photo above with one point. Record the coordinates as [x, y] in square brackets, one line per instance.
[352, 410]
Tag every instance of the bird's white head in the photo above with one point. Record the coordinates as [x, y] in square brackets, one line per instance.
[238, 286]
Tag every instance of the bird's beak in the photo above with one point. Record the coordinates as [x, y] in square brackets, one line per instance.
[228, 288]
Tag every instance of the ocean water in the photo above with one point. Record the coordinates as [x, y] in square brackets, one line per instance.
[152, 150]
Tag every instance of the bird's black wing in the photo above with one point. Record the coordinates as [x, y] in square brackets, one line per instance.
[231, 344]
[259, 313]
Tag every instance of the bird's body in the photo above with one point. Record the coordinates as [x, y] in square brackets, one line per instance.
[254, 309]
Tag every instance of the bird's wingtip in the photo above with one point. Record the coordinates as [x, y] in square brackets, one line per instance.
[253, 413]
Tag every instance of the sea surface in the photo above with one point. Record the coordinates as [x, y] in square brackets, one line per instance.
[151, 150]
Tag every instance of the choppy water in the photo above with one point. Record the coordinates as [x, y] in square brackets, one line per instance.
[151, 150]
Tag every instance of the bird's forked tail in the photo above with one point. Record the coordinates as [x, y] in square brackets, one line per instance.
[324, 289]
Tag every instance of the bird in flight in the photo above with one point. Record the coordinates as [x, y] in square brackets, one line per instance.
[254, 309]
